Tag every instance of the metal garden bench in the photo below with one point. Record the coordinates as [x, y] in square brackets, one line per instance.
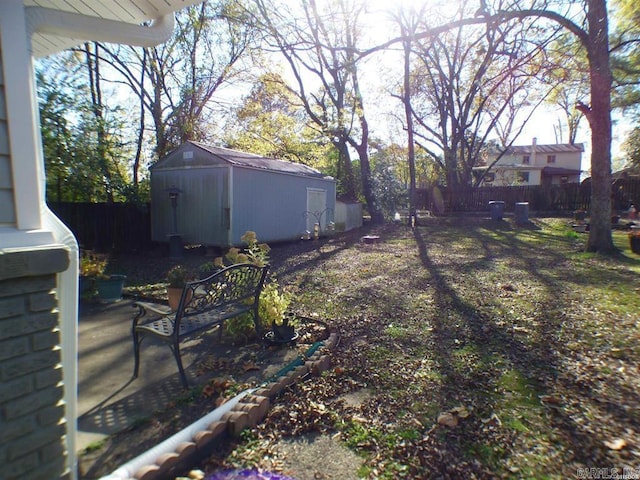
[204, 304]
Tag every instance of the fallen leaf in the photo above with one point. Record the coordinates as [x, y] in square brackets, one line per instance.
[249, 366]
[550, 399]
[448, 419]
[492, 419]
[460, 412]
[616, 444]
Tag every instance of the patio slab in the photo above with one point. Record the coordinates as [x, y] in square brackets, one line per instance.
[110, 400]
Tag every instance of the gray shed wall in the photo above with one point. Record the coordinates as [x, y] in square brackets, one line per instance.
[202, 216]
[273, 204]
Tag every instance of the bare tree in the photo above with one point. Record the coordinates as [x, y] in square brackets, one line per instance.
[176, 82]
[472, 83]
[590, 25]
[320, 48]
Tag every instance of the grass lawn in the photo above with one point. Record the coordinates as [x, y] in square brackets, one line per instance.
[485, 350]
[479, 349]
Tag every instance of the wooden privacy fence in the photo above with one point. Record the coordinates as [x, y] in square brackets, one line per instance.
[541, 198]
[123, 227]
[126, 227]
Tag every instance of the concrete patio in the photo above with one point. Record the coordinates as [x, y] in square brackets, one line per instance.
[110, 400]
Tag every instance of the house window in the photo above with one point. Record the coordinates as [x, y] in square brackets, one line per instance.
[551, 159]
[523, 177]
[526, 159]
[489, 177]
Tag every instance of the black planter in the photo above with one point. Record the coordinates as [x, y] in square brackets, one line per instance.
[284, 333]
[634, 242]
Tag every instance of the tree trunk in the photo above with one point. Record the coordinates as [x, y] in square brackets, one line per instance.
[93, 68]
[344, 163]
[599, 117]
[410, 143]
[377, 217]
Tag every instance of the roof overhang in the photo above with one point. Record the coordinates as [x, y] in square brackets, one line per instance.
[559, 171]
[55, 26]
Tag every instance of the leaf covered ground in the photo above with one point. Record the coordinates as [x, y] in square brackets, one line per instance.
[475, 349]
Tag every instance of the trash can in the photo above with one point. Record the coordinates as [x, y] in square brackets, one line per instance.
[521, 212]
[175, 245]
[496, 208]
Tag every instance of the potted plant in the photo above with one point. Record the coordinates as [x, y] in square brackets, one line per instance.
[177, 276]
[274, 301]
[272, 307]
[110, 287]
[91, 267]
[207, 269]
[92, 275]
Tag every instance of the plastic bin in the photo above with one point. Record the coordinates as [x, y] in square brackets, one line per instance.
[521, 212]
[496, 208]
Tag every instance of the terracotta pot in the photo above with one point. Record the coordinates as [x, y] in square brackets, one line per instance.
[173, 295]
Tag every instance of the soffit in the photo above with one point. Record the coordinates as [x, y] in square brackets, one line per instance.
[132, 12]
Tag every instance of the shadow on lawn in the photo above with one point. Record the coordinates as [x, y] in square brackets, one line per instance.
[484, 331]
[537, 354]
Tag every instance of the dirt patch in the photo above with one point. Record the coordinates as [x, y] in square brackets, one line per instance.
[301, 458]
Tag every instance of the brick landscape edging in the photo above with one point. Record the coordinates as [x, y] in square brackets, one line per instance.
[247, 413]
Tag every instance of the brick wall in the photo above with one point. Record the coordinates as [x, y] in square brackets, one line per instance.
[32, 413]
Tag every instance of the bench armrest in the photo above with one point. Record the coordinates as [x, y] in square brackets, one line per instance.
[154, 307]
[144, 307]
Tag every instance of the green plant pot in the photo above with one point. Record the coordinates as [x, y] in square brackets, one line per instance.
[85, 284]
[110, 289]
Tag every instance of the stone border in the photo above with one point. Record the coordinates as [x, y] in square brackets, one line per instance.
[248, 413]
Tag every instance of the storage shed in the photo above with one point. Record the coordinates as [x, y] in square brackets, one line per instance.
[212, 195]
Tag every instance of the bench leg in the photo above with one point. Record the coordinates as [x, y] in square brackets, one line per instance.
[136, 353]
[175, 348]
[256, 322]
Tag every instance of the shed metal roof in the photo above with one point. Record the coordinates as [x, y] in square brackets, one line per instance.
[223, 155]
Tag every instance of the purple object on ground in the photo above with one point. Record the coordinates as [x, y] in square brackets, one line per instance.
[247, 475]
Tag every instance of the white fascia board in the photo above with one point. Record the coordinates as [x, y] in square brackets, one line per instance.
[86, 28]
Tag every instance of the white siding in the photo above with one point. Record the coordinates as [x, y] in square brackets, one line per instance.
[7, 205]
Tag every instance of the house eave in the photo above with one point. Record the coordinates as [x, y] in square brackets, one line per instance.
[78, 28]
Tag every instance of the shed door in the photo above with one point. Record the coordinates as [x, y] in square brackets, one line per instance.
[316, 208]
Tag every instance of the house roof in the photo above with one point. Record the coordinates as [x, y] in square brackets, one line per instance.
[550, 149]
[560, 171]
[228, 156]
[58, 25]
[627, 172]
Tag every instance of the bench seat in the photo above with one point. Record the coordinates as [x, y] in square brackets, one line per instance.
[204, 304]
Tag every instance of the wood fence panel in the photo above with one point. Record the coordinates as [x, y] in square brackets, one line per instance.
[105, 227]
[543, 198]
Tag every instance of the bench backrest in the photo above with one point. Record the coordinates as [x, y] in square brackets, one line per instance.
[236, 284]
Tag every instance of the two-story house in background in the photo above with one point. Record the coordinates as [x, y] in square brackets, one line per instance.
[533, 164]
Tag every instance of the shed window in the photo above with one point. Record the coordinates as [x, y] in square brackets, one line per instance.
[551, 159]
[564, 179]
[489, 177]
